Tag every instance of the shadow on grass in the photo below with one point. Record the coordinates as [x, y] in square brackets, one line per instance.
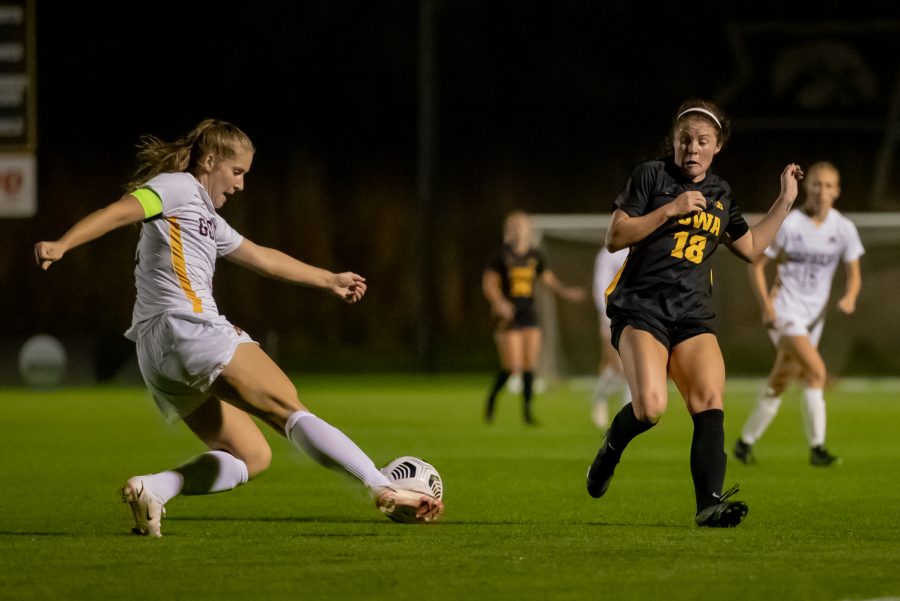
[37, 533]
[444, 523]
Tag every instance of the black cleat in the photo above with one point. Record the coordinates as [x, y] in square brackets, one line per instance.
[725, 513]
[744, 452]
[601, 471]
[820, 457]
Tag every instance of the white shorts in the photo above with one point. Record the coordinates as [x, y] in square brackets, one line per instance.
[787, 325]
[181, 355]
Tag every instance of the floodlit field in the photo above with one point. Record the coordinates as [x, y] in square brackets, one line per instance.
[519, 524]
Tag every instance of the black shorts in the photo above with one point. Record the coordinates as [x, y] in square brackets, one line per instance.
[669, 333]
[522, 318]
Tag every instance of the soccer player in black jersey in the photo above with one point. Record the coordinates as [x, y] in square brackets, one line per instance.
[508, 282]
[673, 213]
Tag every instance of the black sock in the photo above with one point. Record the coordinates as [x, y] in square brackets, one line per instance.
[527, 393]
[708, 456]
[624, 427]
[499, 381]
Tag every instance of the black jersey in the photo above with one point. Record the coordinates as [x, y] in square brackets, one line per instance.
[668, 274]
[518, 278]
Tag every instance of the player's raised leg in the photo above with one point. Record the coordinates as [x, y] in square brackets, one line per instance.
[254, 383]
[644, 360]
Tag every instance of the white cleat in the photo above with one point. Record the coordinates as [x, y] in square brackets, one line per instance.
[146, 508]
[408, 506]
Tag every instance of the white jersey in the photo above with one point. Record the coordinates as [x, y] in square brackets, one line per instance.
[807, 255]
[177, 252]
[606, 266]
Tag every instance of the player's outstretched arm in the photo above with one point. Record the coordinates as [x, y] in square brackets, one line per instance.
[125, 211]
[281, 266]
[570, 293]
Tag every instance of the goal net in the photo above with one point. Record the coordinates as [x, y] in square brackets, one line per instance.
[866, 343]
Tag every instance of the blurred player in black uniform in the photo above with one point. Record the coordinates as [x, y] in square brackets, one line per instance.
[509, 282]
[673, 213]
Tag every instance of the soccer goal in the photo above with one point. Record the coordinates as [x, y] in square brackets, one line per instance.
[866, 343]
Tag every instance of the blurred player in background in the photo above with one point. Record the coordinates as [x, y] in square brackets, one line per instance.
[806, 252]
[611, 375]
[509, 283]
[199, 367]
[673, 213]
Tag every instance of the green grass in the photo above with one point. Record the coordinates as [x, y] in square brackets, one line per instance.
[518, 524]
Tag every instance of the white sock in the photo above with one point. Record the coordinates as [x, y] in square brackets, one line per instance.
[626, 393]
[814, 416]
[331, 448]
[763, 413]
[607, 382]
[600, 413]
[165, 485]
[211, 472]
[215, 471]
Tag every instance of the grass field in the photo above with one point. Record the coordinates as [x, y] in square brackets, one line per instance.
[519, 524]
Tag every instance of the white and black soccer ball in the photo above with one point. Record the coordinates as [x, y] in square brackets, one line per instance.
[415, 474]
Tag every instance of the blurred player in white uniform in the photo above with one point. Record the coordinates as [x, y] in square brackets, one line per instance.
[611, 377]
[198, 366]
[807, 250]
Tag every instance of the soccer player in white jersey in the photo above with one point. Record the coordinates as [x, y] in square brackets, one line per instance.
[807, 250]
[611, 376]
[198, 367]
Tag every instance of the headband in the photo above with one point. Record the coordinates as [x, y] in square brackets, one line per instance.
[697, 109]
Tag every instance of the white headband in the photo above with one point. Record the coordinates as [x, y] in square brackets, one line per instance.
[697, 109]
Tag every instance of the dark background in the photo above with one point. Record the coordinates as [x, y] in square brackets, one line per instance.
[540, 106]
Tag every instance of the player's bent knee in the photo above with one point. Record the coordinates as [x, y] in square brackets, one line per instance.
[649, 408]
[651, 417]
[258, 460]
[777, 387]
[815, 378]
[705, 401]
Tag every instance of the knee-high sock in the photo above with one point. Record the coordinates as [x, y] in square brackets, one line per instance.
[625, 426]
[527, 392]
[814, 416]
[499, 381]
[331, 448]
[211, 472]
[763, 413]
[708, 457]
[608, 382]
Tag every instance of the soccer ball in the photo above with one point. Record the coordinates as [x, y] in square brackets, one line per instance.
[412, 473]
[415, 474]
[42, 361]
